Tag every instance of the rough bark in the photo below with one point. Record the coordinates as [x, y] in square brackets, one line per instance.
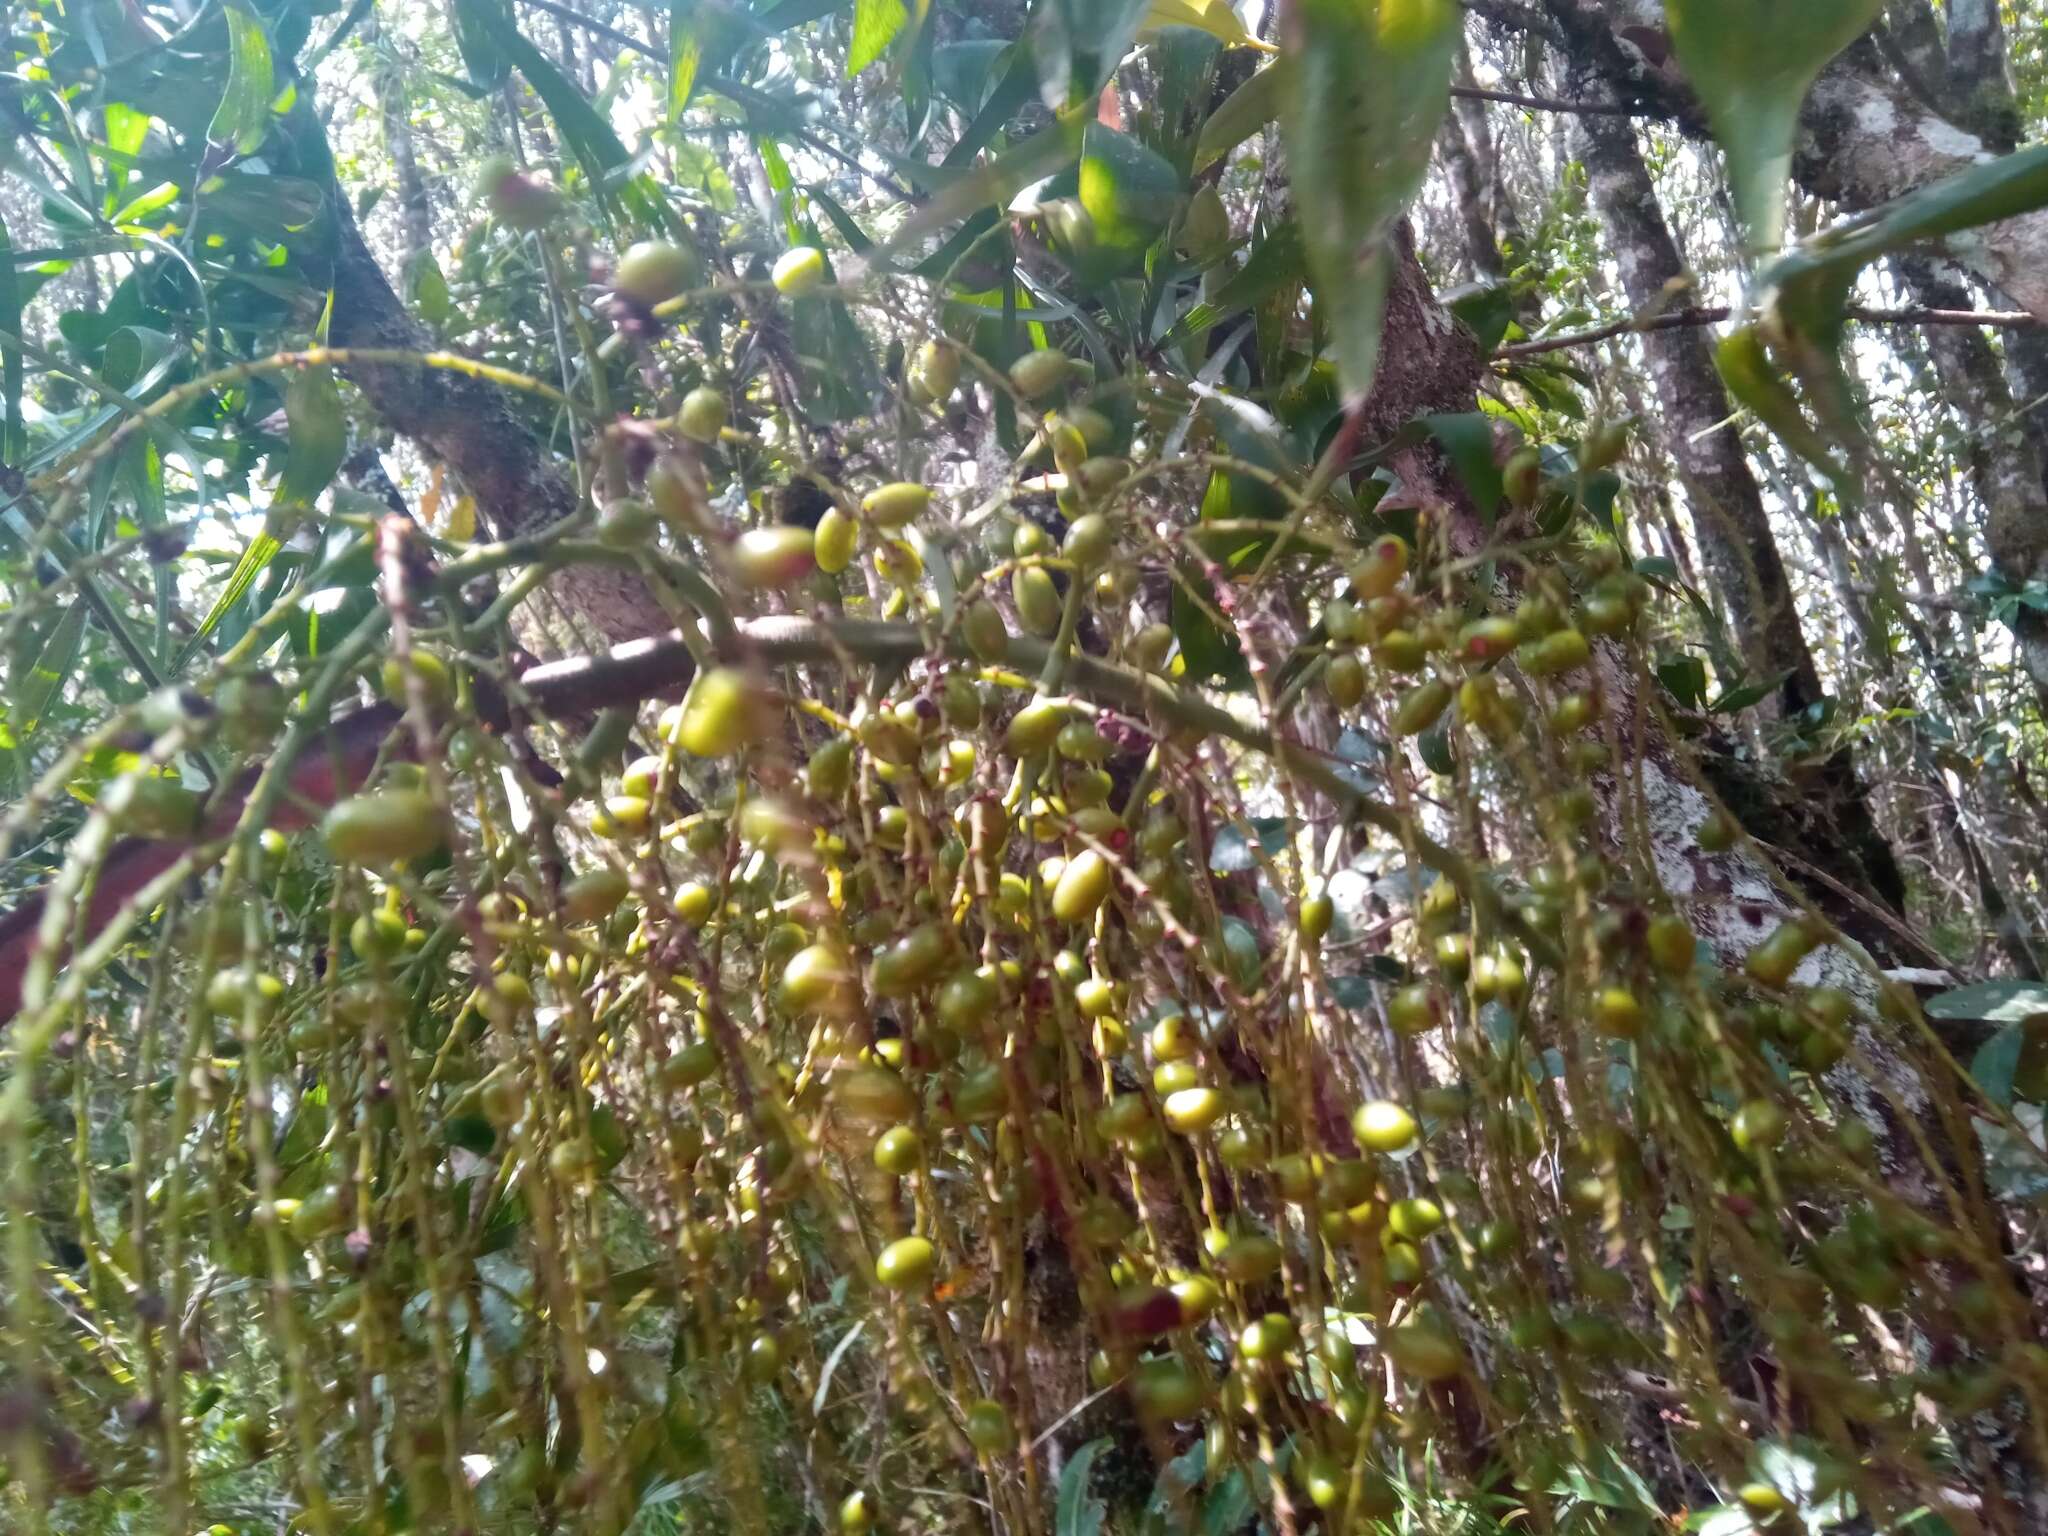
[1728, 507]
[1977, 65]
[1865, 138]
[466, 424]
[394, 110]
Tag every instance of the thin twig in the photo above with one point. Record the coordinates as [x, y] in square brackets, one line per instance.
[1546, 103]
[1683, 319]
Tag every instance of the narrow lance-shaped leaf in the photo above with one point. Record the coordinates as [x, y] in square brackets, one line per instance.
[13, 437]
[685, 55]
[1752, 62]
[243, 117]
[52, 670]
[1369, 83]
[875, 25]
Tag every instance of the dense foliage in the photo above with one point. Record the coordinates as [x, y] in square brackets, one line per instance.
[1079, 767]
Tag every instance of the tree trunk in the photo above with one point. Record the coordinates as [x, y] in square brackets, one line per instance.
[465, 423]
[415, 208]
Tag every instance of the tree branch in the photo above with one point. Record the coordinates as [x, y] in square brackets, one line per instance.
[1679, 319]
[1546, 103]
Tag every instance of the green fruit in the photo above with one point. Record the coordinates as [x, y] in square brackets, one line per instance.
[1251, 1259]
[1382, 568]
[1038, 600]
[866, 1095]
[1757, 1126]
[702, 416]
[234, 993]
[798, 271]
[1774, 960]
[1082, 887]
[719, 715]
[817, 978]
[1416, 1009]
[1344, 681]
[906, 1264]
[1617, 1013]
[692, 902]
[652, 271]
[252, 711]
[764, 1359]
[1192, 1111]
[989, 1429]
[987, 636]
[1421, 707]
[936, 369]
[1034, 728]
[694, 1063]
[897, 1150]
[1566, 650]
[1426, 1349]
[321, 1214]
[1415, 1218]
[626, 524]
[383, 827]
[1088, 543]
[1037, 374]
[1164, 1388]
[765, 559]
[912, 960]
[1205, 226]
[1383, 1126]
[1672, 944]
[1317, 913]
[1198, 1297]
[377, 935]
[834, 541]
[1522, 476]
[150, 806]
[891, 506]
[854, 1518]
[1266, 1338]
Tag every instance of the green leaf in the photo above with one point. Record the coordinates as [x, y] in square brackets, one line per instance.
[1751, 63]
[1994, 1002]
[1216, 17]
[1077, 1512]
[242, 120]
[591, 139]
[316, 435]
[1367, 86]
[1205, 650]
[1802, 297]
[685, 55]
[1130, 193]
[1243, 113]
[31, 694]
[1467, 440]
[261, 551]
[13, 435]
[1274, 263]
[875, 25]
[1997, 1063]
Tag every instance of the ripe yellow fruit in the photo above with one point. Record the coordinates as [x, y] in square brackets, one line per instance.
[1082, 887]
[719, 716]
[891, 506]
[1383, 1126]
[799, 271]
[834, 542]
